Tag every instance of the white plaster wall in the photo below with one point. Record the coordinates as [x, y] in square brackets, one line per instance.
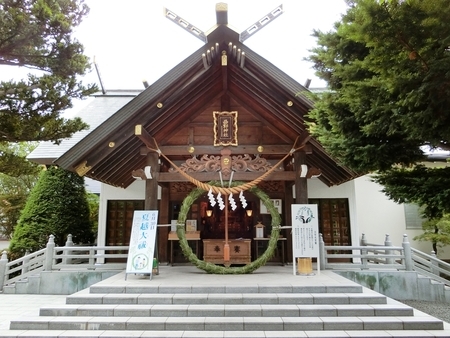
[377, 216]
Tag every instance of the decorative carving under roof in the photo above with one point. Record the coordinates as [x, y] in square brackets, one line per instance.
[181, 187]
[211, 163]
[271, 186]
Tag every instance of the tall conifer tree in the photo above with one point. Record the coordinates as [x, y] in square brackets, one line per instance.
[57, 206]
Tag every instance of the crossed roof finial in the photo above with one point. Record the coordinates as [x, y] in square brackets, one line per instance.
[222, 19]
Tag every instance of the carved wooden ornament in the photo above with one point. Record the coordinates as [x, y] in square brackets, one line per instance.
[225, 128]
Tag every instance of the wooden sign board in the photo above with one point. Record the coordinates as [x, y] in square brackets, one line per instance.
[305, 232]
[142, 242]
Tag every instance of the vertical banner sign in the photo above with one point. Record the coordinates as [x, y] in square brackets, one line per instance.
[305, 231]
[142, 242]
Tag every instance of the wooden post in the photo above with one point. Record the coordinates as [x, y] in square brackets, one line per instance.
[164, 218]
[226, 247]
[289, 198]
[151, 185]
[151, 192]
[301, 183]
[301, 197]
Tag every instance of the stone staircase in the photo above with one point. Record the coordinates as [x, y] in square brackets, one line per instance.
[200, 305]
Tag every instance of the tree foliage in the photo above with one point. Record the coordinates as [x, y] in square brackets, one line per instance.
[57, 206]
[14, 190]
[436, 231]
[388, 69]
[387, 64]
[37, 34]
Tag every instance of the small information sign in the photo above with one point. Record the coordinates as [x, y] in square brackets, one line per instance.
[305, 232]
[142, 242]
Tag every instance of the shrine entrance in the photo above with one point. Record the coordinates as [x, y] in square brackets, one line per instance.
[224, 109]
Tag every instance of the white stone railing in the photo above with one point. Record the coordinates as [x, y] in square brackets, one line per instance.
[363, 257]
[54, 258]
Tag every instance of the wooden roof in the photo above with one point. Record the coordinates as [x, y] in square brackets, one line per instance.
[177, 111]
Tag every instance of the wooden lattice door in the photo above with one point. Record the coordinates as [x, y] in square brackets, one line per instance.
[120, 220]
[334, 222]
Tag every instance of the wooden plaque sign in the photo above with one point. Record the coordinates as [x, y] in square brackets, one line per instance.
[225, 128]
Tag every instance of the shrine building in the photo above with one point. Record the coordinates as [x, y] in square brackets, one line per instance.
[225, 115]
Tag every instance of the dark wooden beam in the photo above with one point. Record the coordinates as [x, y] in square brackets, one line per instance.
[238, 176]
[269, 149]
[144, 136]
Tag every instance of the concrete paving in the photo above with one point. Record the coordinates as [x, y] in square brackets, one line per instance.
[14, 306]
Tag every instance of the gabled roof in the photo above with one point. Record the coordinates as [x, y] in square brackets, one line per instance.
[177, 111]
[96, 112]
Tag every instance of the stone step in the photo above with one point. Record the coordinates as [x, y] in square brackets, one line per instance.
[229, 298]
[269, 310]
[228, 323]
[223, 334]
[170, 289]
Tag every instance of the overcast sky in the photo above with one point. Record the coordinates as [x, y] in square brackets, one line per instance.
[132, 41]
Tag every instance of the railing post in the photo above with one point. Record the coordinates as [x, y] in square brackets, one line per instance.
[25, 262]
[3, 262]
[363, 252]
[387, 242]
[92, 257]
[434, 264]
[69, 243]
[49, 253]
[409, 264]
[322, 252]
[363, 240]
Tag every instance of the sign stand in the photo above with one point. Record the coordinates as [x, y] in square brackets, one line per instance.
[305, 233]
[142, 243]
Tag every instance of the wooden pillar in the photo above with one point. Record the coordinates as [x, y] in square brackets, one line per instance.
[151, 185]
[151, 193]
[163, 232]
[289, 198]
[304, 264]
[301, 183]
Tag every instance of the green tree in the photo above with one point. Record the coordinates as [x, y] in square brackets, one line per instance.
[387, 64]
[14, 190]
[57, 206]
[37, 34]
[388, 69]
[94, 204]
[436, 231]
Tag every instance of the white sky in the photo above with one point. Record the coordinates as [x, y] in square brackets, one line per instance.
[132, 41]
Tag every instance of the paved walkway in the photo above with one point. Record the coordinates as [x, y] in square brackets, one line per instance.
[15, 306]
